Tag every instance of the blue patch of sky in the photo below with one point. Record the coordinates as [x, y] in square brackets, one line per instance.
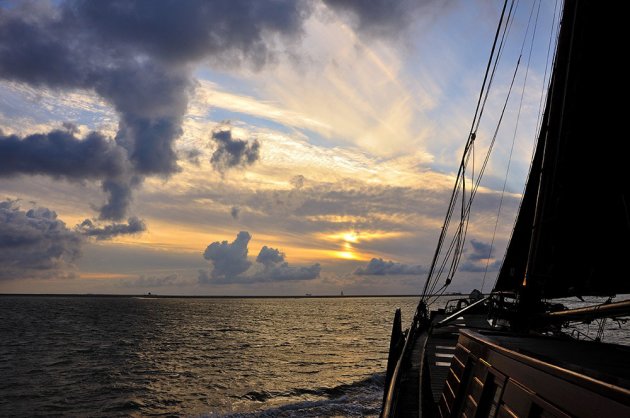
[238, 85]
[227, 82]
[313, 138]
[15, 103]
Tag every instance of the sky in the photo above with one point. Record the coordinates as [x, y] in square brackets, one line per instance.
[257, 147]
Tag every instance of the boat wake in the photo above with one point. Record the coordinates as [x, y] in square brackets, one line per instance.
[361, 398]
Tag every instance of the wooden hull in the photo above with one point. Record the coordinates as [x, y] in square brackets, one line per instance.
[459, 372]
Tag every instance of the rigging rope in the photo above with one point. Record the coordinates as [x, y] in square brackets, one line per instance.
[518, 118]
[450, 260]
[554, 30]
[456, 245]
[471, 138]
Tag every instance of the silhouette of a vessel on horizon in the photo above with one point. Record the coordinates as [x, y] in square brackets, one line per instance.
[508, 354]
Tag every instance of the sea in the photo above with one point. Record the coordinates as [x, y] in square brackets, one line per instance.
[198, 357]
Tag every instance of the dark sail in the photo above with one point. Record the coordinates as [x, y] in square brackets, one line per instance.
[572, 235]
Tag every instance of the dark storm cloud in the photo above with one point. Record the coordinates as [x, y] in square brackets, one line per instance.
[132, 227]
[61, 154]
[384, 17]
[229, 261]
[34, 243]
[138, 56]
[233, 152]
[380, 267]
[477, 260]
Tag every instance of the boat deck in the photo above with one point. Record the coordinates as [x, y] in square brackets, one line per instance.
[441, 345]
[605, 362]
[439, 348]
[524, 375]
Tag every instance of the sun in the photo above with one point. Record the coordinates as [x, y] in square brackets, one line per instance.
[351, 237]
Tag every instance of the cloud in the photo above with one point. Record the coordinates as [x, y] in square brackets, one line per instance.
[479, 258]
[192, 155]
[379, 267]
[383, 17]
[235, 211]
[269, 257]
[230, 264]
[138, 56]
[35, 244]
[133, 226]
[229, 259]
[276, 269]
[60, 154]
[298, 181]
[232, 152]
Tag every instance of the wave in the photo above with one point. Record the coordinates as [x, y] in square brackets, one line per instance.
[360, 398]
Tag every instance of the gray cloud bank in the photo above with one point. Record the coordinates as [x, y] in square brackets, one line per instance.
[60, 154]
[230, 264]
[35, 244]
[380, 267]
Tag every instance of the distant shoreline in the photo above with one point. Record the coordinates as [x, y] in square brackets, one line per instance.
[145, 296]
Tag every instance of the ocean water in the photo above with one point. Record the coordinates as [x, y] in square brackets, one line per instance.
[100, 356]
[124, 356]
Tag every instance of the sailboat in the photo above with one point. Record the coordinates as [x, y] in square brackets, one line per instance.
[506, 354]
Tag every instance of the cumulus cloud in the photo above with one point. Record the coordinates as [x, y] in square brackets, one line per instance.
[230, 264]
[229, 259]
[479, 257]
[235, 211]
[269, 256]
[276, 269]
[138, 56]
[35, 244]
[233, 152]
[380, 267]
[133, 226]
